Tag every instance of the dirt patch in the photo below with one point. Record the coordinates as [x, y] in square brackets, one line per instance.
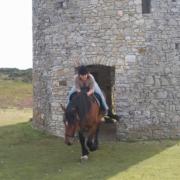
[25, 103]
[107, 132]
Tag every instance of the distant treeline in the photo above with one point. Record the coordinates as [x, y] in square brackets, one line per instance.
[16, 74]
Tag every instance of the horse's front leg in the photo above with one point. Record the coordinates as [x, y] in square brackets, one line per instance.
[83, 146]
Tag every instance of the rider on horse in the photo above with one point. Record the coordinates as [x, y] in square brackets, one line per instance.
[86, 80]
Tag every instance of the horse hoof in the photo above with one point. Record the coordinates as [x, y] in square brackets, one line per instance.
[85, 157]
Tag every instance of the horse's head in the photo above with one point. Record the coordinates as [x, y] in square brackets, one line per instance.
[75, 114]
[71, 122]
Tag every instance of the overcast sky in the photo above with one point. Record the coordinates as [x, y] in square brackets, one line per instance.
[16, 34]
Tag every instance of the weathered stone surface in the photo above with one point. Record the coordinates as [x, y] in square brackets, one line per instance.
[142, 48]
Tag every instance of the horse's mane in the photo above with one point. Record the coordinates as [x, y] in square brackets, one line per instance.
[83, 104]
[70, 113]
[80, 105]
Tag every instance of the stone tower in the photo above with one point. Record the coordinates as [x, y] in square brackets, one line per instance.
[132, 47]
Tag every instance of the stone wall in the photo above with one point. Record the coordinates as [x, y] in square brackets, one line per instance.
[150, 84]
[143, 48]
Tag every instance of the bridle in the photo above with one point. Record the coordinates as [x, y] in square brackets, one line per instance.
[67, 135]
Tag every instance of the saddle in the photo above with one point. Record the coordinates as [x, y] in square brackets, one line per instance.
[97, 98]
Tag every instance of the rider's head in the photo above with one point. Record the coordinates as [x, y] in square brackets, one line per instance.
[83, 72]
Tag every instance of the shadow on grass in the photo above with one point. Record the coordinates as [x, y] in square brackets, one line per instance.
[28, 154]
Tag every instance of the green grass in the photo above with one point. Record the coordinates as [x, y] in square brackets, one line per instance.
[14, 116]
[27, 154]
[15, 94]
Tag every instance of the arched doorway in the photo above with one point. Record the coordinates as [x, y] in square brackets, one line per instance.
[105, 77]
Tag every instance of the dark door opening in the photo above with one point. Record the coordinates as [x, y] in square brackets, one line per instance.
[104, 76]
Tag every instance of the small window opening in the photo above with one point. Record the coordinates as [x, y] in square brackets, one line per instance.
[146, 6]
[177, 46]
[62, 4]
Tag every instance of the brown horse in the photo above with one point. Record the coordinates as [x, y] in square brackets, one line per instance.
[83, 115]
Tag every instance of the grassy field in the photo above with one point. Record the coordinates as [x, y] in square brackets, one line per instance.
[27, 154]
[15, 94]
[14, 116]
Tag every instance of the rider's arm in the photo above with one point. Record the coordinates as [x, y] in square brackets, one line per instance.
[77, 83]
[91, 91]
[91, 85]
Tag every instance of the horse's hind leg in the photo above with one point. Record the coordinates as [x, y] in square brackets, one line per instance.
[92, 142]
[91, 145]
[83, 145]
[96, 141]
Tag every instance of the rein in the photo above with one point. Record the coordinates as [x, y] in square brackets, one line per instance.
[67, 135]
